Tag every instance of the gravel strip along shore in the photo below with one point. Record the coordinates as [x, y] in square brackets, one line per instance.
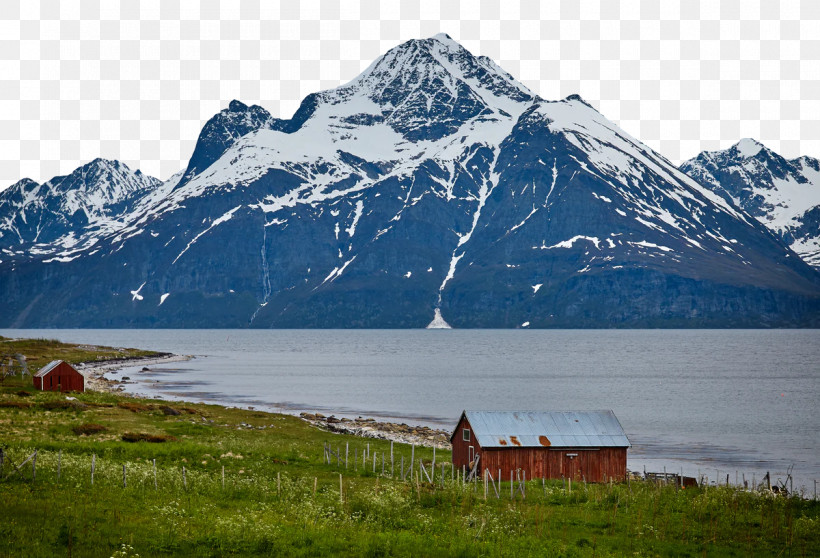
[371, 428]
[95, 371]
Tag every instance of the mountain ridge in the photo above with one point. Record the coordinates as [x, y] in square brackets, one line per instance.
[432, 189]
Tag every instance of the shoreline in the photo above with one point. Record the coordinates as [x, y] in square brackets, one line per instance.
[95, 371]
[371, 428]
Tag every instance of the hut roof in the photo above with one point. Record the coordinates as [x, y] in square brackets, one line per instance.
[47, 368]
[575, 429]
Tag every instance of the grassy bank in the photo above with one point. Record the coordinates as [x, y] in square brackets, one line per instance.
[39, 352]
[280, 497]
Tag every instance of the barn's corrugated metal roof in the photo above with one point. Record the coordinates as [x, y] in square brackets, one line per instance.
[573, 429]
[47, 368]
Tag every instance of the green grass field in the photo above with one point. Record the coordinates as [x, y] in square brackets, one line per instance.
[280, 498]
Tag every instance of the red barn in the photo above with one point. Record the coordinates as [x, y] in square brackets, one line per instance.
[582, 445]
[59, 376]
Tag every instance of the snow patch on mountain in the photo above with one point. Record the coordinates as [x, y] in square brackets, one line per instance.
[218, 221]
[438, 321]
[569, 243]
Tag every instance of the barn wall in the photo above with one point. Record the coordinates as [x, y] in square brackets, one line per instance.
[461, 449]
[592, 465]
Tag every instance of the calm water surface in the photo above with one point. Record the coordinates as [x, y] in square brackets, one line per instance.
[708, 401]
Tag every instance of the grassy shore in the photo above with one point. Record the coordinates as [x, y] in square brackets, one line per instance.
[279, 497]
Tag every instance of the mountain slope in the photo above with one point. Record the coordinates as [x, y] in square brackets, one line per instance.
[433, 187]
[783, 195]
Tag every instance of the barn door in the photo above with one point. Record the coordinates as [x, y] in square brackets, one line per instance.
[570, 465]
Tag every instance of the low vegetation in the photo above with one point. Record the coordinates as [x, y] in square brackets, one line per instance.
[239, 482]
[39, 352]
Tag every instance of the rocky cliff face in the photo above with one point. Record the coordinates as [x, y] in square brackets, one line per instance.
[432, 188]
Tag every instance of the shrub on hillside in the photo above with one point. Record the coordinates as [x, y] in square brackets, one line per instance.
[61, 404]
[89, 428]
[134, 407]
[15, 404]
[143, 437]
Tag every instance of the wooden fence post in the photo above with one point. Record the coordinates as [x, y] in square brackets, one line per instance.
[391, 458]
[315, 481]
[341, 489]
[485, 484]
[512, 484]
[347, 452]
[423, 470]
[412, 458]
[355, 459]
[433, 466]
[374, 463]
[278, 484]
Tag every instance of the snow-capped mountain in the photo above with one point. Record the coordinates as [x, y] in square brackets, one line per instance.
[432, 189]
[783, 195]
[41, 219]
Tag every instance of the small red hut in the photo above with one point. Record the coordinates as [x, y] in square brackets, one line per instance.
[59, 376]
[579, 445]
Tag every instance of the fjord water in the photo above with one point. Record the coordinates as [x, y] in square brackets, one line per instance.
[703, 401]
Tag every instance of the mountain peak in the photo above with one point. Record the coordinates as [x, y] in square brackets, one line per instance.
[24, 183]
[748, 147]
[783, 195]
[426, 89]
[237, 106]
[440, 57]
[221, 131]
[112, 179]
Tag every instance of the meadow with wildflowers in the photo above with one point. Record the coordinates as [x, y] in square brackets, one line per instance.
[228, 482]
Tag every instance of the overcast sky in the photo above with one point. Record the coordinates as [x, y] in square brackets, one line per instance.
[135, 81]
